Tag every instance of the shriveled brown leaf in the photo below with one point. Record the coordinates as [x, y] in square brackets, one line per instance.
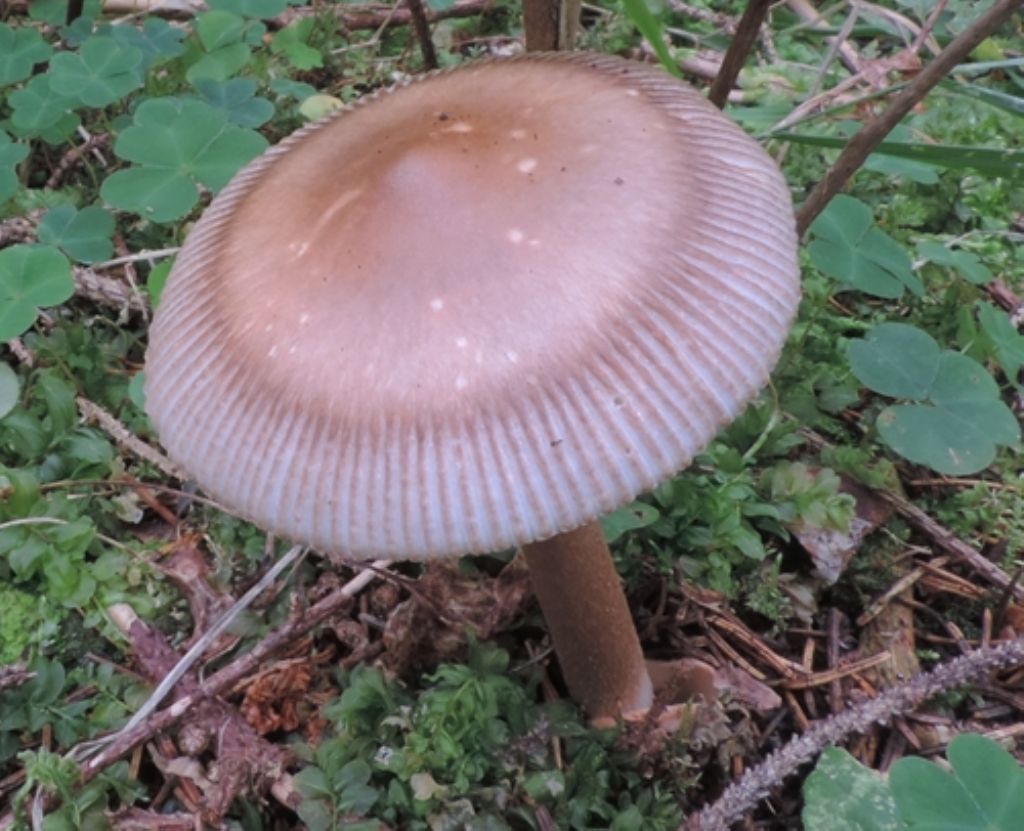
[432, 625]
[137, 819]
[831, 550]
[274, 699]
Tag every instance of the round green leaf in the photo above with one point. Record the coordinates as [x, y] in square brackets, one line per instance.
[896, 359]
[985, 791]
[100, 73]
[220, 64]
[177, 141]
[251, 8]
[961, 379]
[928, 797]
[849, 248]
[37, 106]
[20, 50]
[237, 100]
[31, 276]
[219, 28]
[83, 235]
[9, 389]
[952, 440]
[156, 39]
[11, 155]
[843, 795]
[161, 195]
[993, 778]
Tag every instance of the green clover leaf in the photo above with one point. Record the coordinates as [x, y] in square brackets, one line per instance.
[31, 276]
[841, 794]
[291, 42]
[237, 99]
[1006, 341]
[157, 40]
[963, 261]
[37, 106]
[55, 12]
[101, 72]
[83, 235]
[11, 155]
[216, 29]
[20, 49]
[961, 420]
[176, 143]
[250, 8]
[848, 247]
[983, 792]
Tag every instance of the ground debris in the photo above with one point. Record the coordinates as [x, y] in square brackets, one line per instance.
[432, 626]
[137, 819]
[831, 550]
[242, 761]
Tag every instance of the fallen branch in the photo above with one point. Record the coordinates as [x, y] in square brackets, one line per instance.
[741, 797]
[872, 134]
[298, 625]
[847, 54]
[107, 291]
[244, 760]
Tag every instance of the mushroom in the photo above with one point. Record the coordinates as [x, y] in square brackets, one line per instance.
[477, 311]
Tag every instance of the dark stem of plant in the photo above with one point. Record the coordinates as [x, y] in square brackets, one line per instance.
[550, 25]
[874, 132]
[75, 8]
[743, 41]
[421, 26]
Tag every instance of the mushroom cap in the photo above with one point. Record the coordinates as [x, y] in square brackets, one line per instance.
[476, 310]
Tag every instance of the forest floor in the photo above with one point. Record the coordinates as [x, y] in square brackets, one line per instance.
[860, 524]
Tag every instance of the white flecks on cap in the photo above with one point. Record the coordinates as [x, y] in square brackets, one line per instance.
[329, 399]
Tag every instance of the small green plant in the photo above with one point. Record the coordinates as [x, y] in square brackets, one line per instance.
[958, 417]
[982, 789]
[31, 277]
[848, 246]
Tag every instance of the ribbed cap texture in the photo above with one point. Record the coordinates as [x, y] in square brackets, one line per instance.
[476, 310]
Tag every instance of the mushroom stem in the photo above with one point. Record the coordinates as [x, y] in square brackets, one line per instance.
[581, 596]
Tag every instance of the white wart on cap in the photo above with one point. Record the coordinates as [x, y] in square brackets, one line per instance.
[476, 310]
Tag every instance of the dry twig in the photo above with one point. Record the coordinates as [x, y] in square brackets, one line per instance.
[743, 41]
[421, 26]
[128, 440]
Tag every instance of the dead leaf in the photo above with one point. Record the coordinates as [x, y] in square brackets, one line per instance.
[274, 699]
[831, 550]
[431, 626]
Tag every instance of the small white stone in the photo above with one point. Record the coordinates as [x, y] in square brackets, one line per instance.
[462, 343]
[515, 235]
[437, 304]
[527, 165]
